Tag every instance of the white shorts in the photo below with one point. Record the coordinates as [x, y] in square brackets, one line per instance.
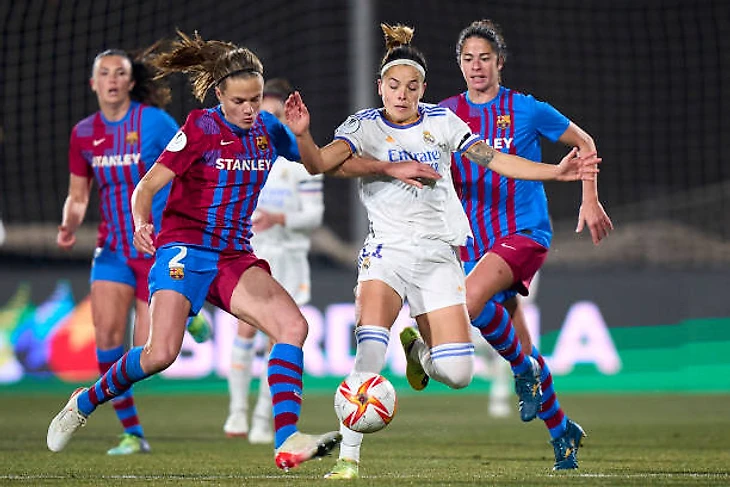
[427, 275]
[291, 269]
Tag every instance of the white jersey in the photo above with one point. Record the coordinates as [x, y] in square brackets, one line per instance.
[395, 209]
[291, 190]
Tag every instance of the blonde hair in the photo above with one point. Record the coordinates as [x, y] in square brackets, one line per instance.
[398, 46]
[396, 35]
[208, 63]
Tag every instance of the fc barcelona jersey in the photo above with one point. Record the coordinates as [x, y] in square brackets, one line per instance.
[496, 205]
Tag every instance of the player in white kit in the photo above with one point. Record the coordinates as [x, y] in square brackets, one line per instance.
[409, 254]
[290, 207]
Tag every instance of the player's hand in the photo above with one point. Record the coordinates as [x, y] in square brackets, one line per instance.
[413, 173]
[591, 213]
[574, 167]
[297, 114]
[263, 220]
[65, 238]
[143, 238]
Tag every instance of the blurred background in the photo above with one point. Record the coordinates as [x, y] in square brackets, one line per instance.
[649, 80]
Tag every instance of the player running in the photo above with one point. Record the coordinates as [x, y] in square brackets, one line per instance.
[410, 253]
[217, 163]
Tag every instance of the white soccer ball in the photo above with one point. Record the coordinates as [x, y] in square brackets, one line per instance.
[365, 402]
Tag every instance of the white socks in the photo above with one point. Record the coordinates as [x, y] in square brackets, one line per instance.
[372, 343]
[239, 377]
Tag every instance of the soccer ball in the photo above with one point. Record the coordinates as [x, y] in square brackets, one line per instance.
[365, 402]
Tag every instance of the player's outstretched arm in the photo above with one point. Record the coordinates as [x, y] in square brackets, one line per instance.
[152, 182]
[591, 213]
[316, 160]
[571, 167]
[412, 173]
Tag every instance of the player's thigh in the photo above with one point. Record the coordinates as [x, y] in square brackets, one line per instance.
[169, 311]
[491, 275]
[262, 302]
[141, 322]
[291, 269]
[376, 304]
[110, 304]
[445, 325]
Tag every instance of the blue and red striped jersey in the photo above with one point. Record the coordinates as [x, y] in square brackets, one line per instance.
[495, 205]
[220, 170]
[117, 155]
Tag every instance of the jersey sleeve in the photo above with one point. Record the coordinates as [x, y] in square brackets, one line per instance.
[311, 211]
[186, 146]
[77, 165]
[549, 122]
[458, 134]
[286, 143]
[160, 127]
[351, 131]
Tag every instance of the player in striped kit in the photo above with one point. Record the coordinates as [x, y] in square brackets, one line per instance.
[509, 218]
[410, 253]
[218, 163]
[290, 207]
[115, 147]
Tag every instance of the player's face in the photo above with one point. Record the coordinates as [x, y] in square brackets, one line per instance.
[241, 100]
[401, 88]
[112, 80]
[480, 65]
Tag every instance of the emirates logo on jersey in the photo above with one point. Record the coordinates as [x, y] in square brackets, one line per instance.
[504, 121]
[262, 142]
[131, 138]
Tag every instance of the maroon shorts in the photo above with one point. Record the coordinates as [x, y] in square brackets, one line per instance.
[141, 269]
[523, 255]
[231, 265]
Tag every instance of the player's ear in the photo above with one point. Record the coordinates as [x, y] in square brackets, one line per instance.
[380, 85]
[218, 94]
[92, 84]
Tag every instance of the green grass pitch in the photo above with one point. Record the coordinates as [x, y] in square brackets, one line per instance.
[434, 440]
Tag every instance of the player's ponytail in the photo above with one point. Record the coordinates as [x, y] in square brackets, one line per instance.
[396, 35]
[208, 63]
[399, 50]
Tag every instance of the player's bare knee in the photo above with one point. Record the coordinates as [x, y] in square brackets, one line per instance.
[291, 330]
[157, 358]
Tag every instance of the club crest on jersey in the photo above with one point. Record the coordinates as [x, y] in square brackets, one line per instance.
[262, 142]
[504, 121]
[365, 263]
[349, 126]
[131, 138]
[428, 138]
[177, 273]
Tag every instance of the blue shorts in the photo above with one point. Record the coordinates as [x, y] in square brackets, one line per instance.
[501, 296]
[108, 265]
[200, 274]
